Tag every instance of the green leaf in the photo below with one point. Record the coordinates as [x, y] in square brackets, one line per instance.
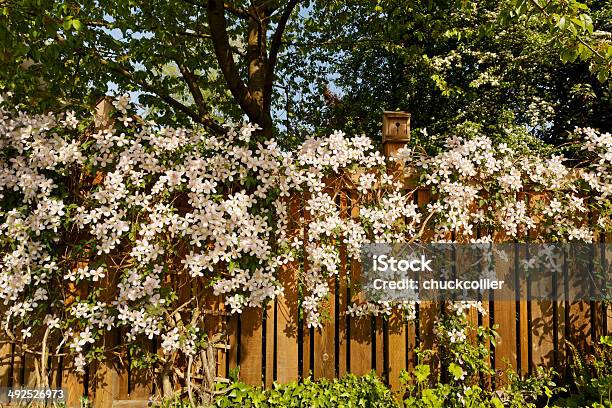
[602, 74]
[456, 371]
[421, 372]
[578, 22]
[497, 403]
[548, 391]
[606, 340]
[562, 23]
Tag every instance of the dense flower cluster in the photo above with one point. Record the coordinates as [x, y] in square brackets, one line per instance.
[100, 228]
[486, 190]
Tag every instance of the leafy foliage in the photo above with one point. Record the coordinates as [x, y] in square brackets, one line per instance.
[446, 64]
[349, 391]
[178, 56]
[592, 375]
[315, 64]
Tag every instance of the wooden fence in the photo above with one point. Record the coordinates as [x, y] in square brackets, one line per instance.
[274, 344]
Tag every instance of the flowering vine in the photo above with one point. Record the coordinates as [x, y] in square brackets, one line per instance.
[99, 228]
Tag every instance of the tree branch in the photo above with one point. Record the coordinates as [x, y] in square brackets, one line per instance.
[194, 89]
[192, 34]
[225, 57]
[277, 40]
[579, 38]
[203, 119]
[238, 12]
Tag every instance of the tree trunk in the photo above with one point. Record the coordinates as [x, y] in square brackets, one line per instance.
[250, 96]
[257, 60]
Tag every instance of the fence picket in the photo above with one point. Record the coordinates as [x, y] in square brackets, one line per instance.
[360, 328]
[251, 346]
[6, 365]
[397, 349]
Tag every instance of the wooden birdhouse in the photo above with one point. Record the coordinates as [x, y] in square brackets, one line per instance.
[396, 131]
[396, 126]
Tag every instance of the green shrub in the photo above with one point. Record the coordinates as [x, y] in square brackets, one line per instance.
[592, 376]
[350, 391]
[464, 363]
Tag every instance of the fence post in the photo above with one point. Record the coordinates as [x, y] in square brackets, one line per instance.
[395, 131]
[394, 334]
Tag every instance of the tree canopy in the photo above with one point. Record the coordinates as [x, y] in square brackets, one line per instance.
[298, 66]
[447, 65]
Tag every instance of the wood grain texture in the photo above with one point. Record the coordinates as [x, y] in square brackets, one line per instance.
[73, 382]
[325, 341]
[287, 329]
[233, 342]
[360, 328]
[5, 363]
[271, 349]
[398, 330]
[504, 313]
[108, 379]
[428, 311]
[287, 307]
[250, 346]
[343, 300]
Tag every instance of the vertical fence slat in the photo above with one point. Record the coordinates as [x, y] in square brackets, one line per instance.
[233, 343]
[428, 310]
[270, 344]
[222, 363]
[360, 329]
[105, 380]
[213, 326]
[250, 346]
[54, 372]
[580, 324]
[599, 307]
[505, 352]
[484, 321]
[542, 334]
[325, 342]
[140, 380]
[561, 352]
[524, 329]
[72, 382]
[5, 363]
[505, 317]
[324, 353]
[32, 364]
[341, 311]
[397, 349]
[287, 311]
